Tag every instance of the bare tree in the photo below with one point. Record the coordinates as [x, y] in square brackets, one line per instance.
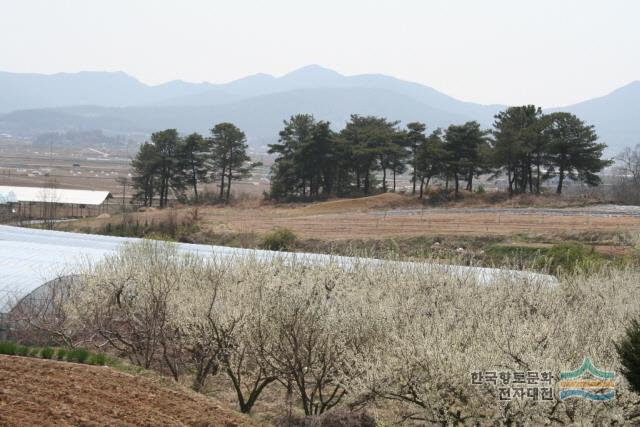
[627, 187]
[49, 199]
[307, 347]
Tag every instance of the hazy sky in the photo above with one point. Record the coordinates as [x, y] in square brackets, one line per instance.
[549, 52]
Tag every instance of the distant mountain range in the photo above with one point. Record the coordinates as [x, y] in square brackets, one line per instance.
[116, 102]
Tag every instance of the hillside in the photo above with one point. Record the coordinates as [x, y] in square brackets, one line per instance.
[317, 77]
[616, 116]
[34, 390]
[116, 102]
[260, 116]
[112, 89]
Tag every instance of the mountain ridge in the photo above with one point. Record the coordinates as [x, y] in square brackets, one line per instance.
[34, 103]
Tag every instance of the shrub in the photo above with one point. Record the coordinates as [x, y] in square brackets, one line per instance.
[629, 353]
[440, 196]
[22, 350]
[46, 353]
[99, 359]
[281, 239]
[502, 254]
[78, 355]
[338, 418]
[61, 354]
[571, 257]
[34, 352]
[8, 348]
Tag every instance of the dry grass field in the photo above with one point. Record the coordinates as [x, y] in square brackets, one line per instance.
[384, 216]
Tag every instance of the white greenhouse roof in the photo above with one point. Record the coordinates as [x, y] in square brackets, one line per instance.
[56, 195]
[30, 258]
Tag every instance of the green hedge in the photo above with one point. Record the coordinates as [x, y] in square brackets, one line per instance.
[76, 355]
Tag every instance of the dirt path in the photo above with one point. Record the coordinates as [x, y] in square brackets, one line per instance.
[43, 392]
[595, 211]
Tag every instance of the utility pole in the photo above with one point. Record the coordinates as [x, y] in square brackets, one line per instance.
[124, 181]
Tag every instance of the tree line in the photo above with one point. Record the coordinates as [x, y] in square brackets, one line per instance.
[525, 145]
[170, 162]
[312, 161]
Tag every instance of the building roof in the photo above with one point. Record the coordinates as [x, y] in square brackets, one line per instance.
[56, 195]
[8, 197]
[30, 258]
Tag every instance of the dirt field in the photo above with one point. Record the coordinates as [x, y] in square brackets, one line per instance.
[90, 169]
[392, 215]
[43, 392]
[374, 225]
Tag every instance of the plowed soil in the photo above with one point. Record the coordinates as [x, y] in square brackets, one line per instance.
[36, 392]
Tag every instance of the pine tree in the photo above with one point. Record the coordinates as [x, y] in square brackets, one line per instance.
[145, 178]
[170, 176]
[370, 141]
[192, 152]
[229, 151]
[415, 137]
[289, 175]
[573, 150]
[464, 144]
[430, 159]
[519, 147]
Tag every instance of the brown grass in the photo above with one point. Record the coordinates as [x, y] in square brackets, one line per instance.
[362, 204]
[353, 219]
[439, 198]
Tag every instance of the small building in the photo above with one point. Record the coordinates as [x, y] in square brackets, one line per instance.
[29, 203]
